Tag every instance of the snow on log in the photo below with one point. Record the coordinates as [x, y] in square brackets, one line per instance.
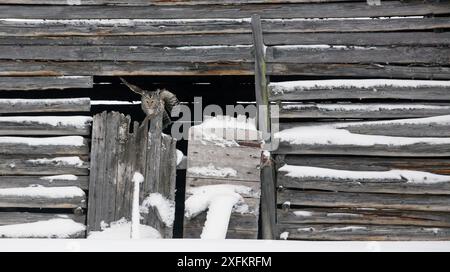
[43, 192]
[45, 125]
[212, 171]
[164, 206]
[120, 230]
[138, 178]
[45, 105]
[53, 228]
[64, 145]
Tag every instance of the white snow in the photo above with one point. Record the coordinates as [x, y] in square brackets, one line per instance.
[348, 228]
[395, 175]
[53, 228]
[33, 141]
[435, 120]
[40, 191]
[314, 47]
[361, 107]
[72, 121]
[138, 178]
[284, 235]
[344, 215]
[218, 216]
[212, 171]
[60, 177]
[303, 213]
[341, 19]
[225, 121]
[374, 84]
[213, 47]
[164, 206]
[114, 102]
[59, 161]
[180, 156]
[120, 230]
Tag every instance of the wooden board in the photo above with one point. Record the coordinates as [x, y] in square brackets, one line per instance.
[364, 200]
[12, 218]
[56, 150]
[28, 126]
[26, 181]
[26, 166]
[44, 83]
[45, 105]
[42, 202]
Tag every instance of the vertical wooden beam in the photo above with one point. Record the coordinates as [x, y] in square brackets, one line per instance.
[268, 201]
[261, 92]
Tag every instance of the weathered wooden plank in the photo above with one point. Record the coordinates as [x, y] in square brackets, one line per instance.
[41, 166]
[97, 177]
[45, 105]
[194, 233]
[361, 216]
[175, 40]
[46, 181]
[163, 2]
[362, 110]
[361, 200]
[268, 198]
[197, 182]
[350, 9]
[123, 164]
[12, 218]
[105, 68]
[21, 145]
[363, 185]
[241, 222]
[44, 83]
[420, 127]
[374, 92]
[325, 54]
[203, 156]
[41, 202]
[365, 163]
[45, 125]
[363, 232]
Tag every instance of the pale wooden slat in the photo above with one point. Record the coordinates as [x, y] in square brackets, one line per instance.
[63, 149]
[42, 202]
[26, 181]
[45, 105]
[23, 166]
[28, 126]
[11, 218]
[44, 83]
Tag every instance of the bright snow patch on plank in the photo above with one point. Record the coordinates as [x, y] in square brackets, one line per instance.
[121, 230]
[409, 176]
[59, 161]
[62, 101]
[374, 84]
[53, 228]
[284, 235]
[64, 140]
[303, 213]
[114, 102]
[213, 171]
[72, 121]
[138, 178]
[180, 156]
[164, 206]
[60, 177]
[45, 192]
[361, 107]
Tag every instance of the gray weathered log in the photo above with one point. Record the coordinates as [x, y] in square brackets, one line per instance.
[364, 233]
[12, 218]
[44, 83]
[25, 166]
[12, 126]
[26, 181]
[45, 105]
[165, 2]
[268, 198]
[55, 150]
[364, 200]
[41, 202]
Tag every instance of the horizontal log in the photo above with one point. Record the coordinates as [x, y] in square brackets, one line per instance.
[220, 54]
[326, 54]
[324, 29]
[362, 186]
[163, 2]
[243, 222]
[363, 200]
[45, 125]
[324, 92]
[41, 166]
[107, 68]
[366, 217]
[45, 105]
[49, 146]
[42, 202]
[44, 83]
[350, 9]
[196, 182]
[364, 163]
[362, 110]
[359, 39]
[363, 233]
[417, 127]
[46, 181]
[12, 218]
[194, 233]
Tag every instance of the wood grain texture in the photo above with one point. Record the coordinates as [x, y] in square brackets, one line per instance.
[27, 181]
[44, 83]
[11, 126]
[14, 165]
[45, 105]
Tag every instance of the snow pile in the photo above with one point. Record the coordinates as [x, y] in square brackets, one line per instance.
[303, 213]
[219, 200]
[164, 206]
[348, 228]
[224, 130]
[331, 134]
[180, 156]
[121, 230]
[59, 161]
[435, 120]
[53, 228]
[64, 140]
[72, 121]
[374, 84]
[60, 177]
[395, 175]
[213, 171]
[40, 191]
[284, 235]
[138, 178]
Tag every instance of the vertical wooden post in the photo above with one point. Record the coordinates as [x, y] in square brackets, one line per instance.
[261, 92]
[268, 201]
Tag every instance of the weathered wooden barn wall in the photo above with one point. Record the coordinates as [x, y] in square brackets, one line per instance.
[156, 38]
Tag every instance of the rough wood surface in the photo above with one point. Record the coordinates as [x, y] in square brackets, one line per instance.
[360, 216]
[44, 83]
[268, 198]
[25, 166]
[12, 218]
[364, 200]
[45, 105]
[364, 232]
[46, 181]
[55, 150]
[164, 2]
[11, 126]
[42, 202]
